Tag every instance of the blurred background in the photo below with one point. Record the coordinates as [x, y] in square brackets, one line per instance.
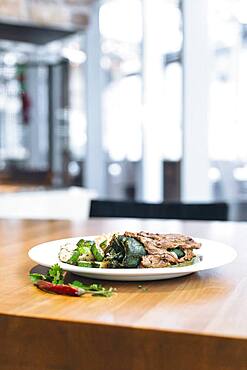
[122, 99]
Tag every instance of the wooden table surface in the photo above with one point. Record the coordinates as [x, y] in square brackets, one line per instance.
[197, 322]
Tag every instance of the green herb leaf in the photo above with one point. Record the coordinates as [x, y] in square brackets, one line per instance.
[94, 289]
[36, 277]
[104, 292]
[55, 275]
[94, 286]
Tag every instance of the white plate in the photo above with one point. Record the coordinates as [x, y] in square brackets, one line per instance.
[214, 254]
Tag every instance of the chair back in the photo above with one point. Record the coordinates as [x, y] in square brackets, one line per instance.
[181, 211]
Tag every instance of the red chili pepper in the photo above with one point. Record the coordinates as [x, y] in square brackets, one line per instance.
[59, 288]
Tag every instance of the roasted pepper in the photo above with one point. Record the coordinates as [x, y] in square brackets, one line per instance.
[63, 289]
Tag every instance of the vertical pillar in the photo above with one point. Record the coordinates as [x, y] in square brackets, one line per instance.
[152, 176]
[37, 125]
[56, 132]
[95, 166]
[195, 184]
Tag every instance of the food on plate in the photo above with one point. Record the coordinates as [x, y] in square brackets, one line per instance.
[53, 282]
[132, 250]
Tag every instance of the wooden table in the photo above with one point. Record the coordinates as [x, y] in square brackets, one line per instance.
[198, 322]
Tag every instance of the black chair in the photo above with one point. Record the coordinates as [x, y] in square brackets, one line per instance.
[181, 211]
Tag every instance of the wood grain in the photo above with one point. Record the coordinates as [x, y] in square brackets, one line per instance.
[201, 317]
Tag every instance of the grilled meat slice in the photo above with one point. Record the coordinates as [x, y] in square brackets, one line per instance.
[159, 244]
[170, 258]
[160, 248]
[153, 261]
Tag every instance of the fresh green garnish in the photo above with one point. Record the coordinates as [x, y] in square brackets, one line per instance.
[79, 284]
[55, 275]
[36, 277]
[94, 289]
